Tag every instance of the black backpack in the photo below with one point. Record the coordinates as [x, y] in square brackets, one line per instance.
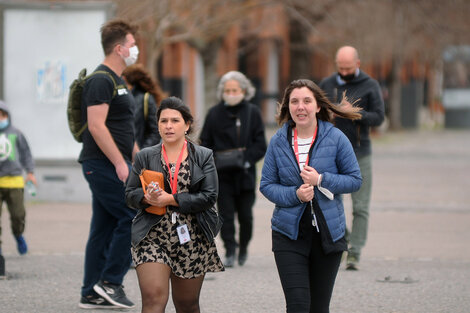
[74, 105]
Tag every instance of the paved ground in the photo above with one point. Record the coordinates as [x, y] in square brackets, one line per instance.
[419, 228]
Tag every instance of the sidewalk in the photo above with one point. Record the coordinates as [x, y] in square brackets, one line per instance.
[419, 228]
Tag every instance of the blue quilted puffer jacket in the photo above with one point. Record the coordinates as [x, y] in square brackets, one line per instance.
[332, 156]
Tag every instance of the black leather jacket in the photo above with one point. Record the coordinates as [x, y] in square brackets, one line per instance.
[202, 193]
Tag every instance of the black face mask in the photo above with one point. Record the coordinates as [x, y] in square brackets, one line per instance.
[347, 78]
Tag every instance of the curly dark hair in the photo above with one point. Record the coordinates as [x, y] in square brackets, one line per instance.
[137, 75]
[327, 109]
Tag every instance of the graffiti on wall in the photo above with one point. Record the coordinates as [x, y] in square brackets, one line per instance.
[51, 79]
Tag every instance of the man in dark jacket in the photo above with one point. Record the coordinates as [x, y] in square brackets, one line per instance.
[350, 86]
[231, 124]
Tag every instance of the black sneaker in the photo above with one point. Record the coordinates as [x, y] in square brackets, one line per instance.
[95, 302]
[114, 294]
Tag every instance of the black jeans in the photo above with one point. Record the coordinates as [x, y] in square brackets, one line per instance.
[241, 203]
[308, 276]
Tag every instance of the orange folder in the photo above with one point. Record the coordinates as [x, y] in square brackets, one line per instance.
[146, 177]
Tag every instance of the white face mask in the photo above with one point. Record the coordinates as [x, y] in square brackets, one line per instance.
[133, 54]
[233, 99]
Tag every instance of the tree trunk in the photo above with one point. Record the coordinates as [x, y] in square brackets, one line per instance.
[209, 59]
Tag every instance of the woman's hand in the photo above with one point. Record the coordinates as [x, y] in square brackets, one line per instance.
[309, 175]
[157, 196]
[305, 192]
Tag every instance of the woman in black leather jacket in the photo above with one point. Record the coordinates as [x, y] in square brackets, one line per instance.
[172, 246]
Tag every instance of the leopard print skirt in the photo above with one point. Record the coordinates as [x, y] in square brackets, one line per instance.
[161, 245]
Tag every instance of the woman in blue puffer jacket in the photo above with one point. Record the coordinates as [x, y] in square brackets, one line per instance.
[308, 165]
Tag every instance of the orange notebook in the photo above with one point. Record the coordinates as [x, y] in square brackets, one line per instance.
[146, 177]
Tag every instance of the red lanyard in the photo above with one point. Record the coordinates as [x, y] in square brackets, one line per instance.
[296, 145]
[174, 179]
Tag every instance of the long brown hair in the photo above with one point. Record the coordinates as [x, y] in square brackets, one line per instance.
[327, 109]
[137, 75]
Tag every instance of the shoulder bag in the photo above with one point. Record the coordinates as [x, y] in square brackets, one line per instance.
[233, 159]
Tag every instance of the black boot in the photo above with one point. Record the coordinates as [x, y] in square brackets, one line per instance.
[229, 260]
[242, 255]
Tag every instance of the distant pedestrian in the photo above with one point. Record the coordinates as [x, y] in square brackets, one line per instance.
[106, 156]
[171, 246]
[234, 130]
[308, 165]
[365, 93]
[147, 95]
[15, 157]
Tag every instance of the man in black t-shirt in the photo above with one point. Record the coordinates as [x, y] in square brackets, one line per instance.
[108, 148]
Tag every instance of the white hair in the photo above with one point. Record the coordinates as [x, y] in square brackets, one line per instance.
[245, 84]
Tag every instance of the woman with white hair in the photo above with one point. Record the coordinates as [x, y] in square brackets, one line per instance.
[234, 130]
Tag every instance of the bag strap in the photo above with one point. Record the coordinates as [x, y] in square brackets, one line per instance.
[110, 76]
[85, 125]
[146, 105]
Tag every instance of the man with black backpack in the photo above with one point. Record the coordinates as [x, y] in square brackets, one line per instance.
[106, 156]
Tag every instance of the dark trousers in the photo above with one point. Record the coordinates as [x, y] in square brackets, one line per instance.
[107, 254]
[240, 203]
[14, 198]
[307, 277]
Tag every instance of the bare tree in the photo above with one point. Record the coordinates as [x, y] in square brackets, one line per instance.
[396, 30]
[201, 24]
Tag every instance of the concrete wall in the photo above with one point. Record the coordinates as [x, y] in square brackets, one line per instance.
[43, 47]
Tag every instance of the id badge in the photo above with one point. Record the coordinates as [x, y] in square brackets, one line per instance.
[183, 233]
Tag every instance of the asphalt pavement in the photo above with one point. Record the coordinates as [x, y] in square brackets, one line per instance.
[417, 258]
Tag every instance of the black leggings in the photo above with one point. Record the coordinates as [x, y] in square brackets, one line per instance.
[308, 280]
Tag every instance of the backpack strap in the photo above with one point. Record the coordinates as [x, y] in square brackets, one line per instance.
[82, 129]
[146, 105]
[110, 76]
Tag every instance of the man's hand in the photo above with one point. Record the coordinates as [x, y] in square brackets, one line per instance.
[97, 126]
[32, 178]
[122, 171]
